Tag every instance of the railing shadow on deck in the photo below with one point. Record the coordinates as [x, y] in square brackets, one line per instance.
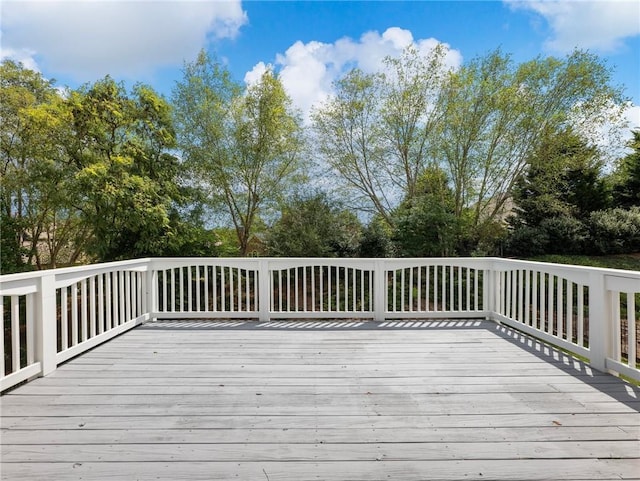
[607, 384]
[314, 325]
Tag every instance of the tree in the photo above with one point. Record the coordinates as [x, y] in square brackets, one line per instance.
[376, 131]
[426, 224]
[125, 177]
[497, 113]
[243, 149]
[626, 189]
[410, 113]
[313, 226]
[35, 170]
[563, 178]
[348, 129]
[554, 198]
[376, 240]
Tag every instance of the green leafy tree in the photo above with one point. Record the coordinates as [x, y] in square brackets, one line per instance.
[615, 231]
[243, 149]
[563, 178]
[410, 112]
[348, 132]
[626, 189]
[554, 198]
[376, 240]
[35, 170]
[313, 226]
[497, 113]
[125, 177]
[426, 224]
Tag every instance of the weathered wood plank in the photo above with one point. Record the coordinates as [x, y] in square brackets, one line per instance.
[258, 421]
[521, 469]
[285, 397]
[334, 434]
[271, 451]
[273, 387]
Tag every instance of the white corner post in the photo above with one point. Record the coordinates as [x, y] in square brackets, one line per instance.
[600, 322]
[264, 290]
[151, 294]
[46, 340]
[379, 291]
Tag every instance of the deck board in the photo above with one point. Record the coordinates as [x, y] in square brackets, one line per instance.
[328, 401]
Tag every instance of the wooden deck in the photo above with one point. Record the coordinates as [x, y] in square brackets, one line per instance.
[322, 401]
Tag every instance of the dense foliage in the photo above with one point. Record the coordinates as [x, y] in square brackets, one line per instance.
[416, 159]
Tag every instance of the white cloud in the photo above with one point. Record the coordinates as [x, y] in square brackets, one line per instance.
[308, 70]
[597, 25]
[254, 75]
[24, 56]
[87, 39]
[632, 114]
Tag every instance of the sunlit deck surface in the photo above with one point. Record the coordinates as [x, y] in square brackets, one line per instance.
[343, 400]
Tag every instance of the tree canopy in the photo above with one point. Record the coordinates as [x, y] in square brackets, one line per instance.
[416, 158]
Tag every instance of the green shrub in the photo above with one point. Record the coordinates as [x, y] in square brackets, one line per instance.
[567, 235]
[525, 241]
[615, 231]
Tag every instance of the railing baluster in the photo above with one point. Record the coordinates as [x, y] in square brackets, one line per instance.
[15, 333]
[508, 292]
[569, 311]
[129, 295]
[543, 305]
[232, 289]
[74, 314]
[427, 288]
[330, 281]
[206, 288]
[476, 289]
[214, 291]
[435, 288]
[289, 280]
[93, 315]
[467, 305]
[551, 309]
[313, 288]
[30, 322]
[443, 285]
[615, 307]
[362, 290]
[452, 295]
[123, 297]
[631, 329]
[559, 308]
[2, 364]
[85, 303]
[181, 305]
[195, 283]
[337, 288]
[321, 294]
[64, 325]
[580, 315]
[520, 295]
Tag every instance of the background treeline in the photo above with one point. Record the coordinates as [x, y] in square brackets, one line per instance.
[415, 160]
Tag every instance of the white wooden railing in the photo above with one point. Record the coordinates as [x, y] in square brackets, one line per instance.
[51, 316]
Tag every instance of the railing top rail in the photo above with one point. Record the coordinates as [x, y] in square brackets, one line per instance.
[567, 267]
[74, 270]
[283, 262]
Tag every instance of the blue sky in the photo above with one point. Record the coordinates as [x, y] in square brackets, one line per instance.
[310, 43]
